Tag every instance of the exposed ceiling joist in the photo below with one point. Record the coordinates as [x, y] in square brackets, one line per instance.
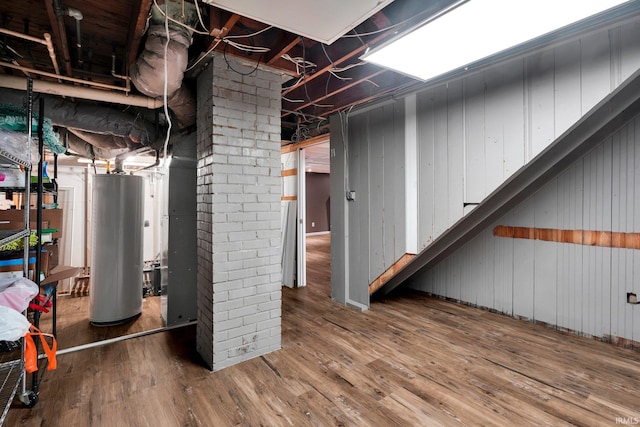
[139, 15]
[59, 33]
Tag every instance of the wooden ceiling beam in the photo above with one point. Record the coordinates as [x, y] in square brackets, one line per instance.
[399, 83]
[344, 58]
[340, 89]
[273, 57]
[139, 15]
[59, 32]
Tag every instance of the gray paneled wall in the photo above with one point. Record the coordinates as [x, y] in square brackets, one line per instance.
[472, 135]
[476, 132]
[576, 287]
[374, 233]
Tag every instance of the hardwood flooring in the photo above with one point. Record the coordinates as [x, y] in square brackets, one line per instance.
[411, 360]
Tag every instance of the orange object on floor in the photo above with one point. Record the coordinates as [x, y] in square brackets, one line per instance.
[31, 352]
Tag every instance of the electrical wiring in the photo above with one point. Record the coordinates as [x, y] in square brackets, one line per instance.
[304, 81]
[293, 100]
[224, 55]
[344, 79]
[240, 36]
[348, 67]
[246, 48]
[175, 21]
[166, 78]
[204, 27]
[236, 45]
[203, 56]
[300, 63]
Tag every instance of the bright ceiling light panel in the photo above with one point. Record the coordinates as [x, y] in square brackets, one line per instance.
[478, 29]
[321, 20]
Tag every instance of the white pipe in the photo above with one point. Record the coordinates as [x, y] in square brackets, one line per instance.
[121, 338]
[52, 88]
[52, 54]
[22, 36]
[46, 41]
[71, 79]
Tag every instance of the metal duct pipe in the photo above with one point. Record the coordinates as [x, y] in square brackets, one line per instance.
[148, 72]
[92, 118]
[40, 86]
[105, 141]
[84, 149]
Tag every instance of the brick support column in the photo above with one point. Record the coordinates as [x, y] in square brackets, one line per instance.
[239, 273]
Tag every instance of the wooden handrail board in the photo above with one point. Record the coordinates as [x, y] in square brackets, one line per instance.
[609, 239]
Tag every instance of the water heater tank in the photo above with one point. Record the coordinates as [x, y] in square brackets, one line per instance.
[117, 223]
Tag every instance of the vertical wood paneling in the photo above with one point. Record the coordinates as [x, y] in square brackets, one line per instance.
[396, 167]
[376, 192]
[495, 117]
[453, 290]
[618, 212]
[503, 269]
[567, 87]
[510, 113]
[511, 107]
[629, 50]
[576, 252]
[595, 73]
[472, 134]
[470, 276]
[425, 135]
[569, 280]
[474, 137]
[545, 254]
[589, 254]
[540, 97]
[393, 207]
[579, 287]
[634, 137]
[523, 263]
[441, 162]
[339, 211]
[486, 295]
[455, 148]
[359, 208]
[603, 289]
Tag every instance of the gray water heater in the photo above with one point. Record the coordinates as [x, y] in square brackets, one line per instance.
[117, 223]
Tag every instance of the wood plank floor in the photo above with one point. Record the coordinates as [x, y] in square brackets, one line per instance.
[411, 360]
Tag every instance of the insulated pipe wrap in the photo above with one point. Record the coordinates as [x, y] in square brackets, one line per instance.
[148, 72]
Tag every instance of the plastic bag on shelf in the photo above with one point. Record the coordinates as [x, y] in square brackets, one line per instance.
[16, 144]
[13, 325]
[18, 295]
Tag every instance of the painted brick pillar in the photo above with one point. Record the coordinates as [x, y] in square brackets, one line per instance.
[239, 273]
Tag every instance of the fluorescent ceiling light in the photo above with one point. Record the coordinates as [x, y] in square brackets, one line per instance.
[478, 29]
[89, 161]
[324, 21]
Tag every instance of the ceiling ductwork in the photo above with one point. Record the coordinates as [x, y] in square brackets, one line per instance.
[106, 128]
[148, 72]
[82, 148]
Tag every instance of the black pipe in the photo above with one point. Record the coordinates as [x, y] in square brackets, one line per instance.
[79, 40]
[36, 314]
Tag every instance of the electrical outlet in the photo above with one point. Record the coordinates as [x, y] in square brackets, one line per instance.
[351, 196]
[632, 298]
[313, 224]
